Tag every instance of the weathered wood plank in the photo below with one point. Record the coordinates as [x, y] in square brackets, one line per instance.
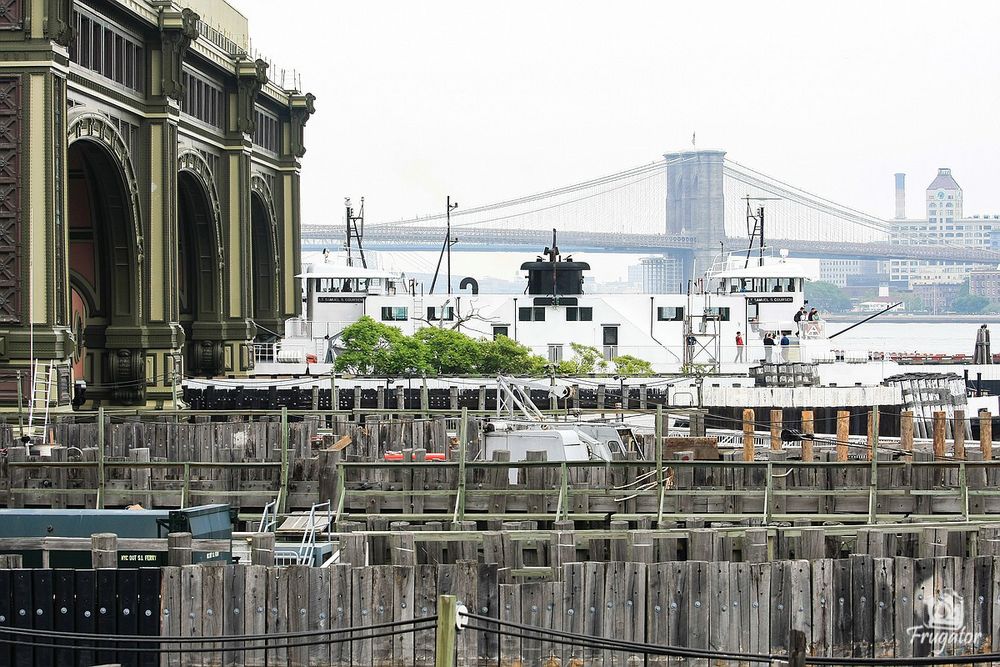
[823, 608]
[424, 606]
[883, 605]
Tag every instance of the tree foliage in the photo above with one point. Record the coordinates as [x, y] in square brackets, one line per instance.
[827, 297]
[626, 364]
[503, 356]
[970, 304]
[373, 348]
[586, 359]
[449, 352]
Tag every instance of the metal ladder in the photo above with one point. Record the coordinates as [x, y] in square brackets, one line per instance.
[43, 380]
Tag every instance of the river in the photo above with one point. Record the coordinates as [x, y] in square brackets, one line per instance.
[935, 337]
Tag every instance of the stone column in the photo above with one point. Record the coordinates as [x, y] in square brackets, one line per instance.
[33, 236]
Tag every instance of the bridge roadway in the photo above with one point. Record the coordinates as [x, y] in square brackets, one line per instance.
[485, 239]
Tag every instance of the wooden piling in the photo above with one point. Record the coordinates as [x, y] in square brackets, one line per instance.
[906, 430]
[872, 433]
[776, 417]
[843, 434]
[262, 549]
[748, 423]
[809, 430]
[958, 430]
[940, 424]
[986, 434]
[178, 549]
[104, 550]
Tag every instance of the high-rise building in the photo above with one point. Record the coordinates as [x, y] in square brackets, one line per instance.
[944, 224]
[660, 275]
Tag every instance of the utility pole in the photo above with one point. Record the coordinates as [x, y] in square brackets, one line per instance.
[450, 208]
[445, 247]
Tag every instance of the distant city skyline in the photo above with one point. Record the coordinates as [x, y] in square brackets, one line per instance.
[417, 101]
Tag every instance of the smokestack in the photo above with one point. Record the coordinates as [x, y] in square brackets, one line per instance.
[900, 196]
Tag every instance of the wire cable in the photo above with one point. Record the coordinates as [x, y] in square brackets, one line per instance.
[35, 632]
[203, 640]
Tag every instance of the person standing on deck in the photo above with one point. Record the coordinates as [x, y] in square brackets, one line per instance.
[785, 342]
[739, 347]
[768, 347]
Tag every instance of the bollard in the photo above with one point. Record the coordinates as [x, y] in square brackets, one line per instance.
[104, 550]
[179, 549]
[262, 549]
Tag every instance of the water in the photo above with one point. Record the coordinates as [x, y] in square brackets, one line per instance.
[936, 337]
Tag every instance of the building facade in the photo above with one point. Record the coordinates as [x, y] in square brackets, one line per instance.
[985, 282]
[149, 196]
[945, 224]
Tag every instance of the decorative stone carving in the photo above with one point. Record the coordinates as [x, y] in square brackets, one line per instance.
[11, 14]
[301, 107]
[207, 358]
[252, 77]
[128, 375]
[10, 199]
[58, 24]
[177, 31]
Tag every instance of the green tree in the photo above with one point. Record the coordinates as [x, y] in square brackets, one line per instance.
[586, 359]
[373, 348]
[827, 297]
[631, 366]
[450, 352]
[503, 356]
[969, 304]
[914, 303]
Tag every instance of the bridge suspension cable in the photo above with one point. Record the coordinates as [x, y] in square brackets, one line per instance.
[652, 167]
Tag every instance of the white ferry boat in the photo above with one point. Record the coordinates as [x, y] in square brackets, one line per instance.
[751, 297]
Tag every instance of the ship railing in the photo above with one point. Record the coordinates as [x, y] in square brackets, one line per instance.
[265, 352]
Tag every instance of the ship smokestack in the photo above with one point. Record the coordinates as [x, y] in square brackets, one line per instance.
[900, 196]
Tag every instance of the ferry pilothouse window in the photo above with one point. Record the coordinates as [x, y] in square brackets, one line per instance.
[581, 314]
[501, 331]
[326, 285]
[394, 313]
[531, 314]
[670, 314]
[436, 314]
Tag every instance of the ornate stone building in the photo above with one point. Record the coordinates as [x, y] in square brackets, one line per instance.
[149, 196]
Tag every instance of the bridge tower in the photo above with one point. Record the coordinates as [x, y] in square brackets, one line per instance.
[696, 205]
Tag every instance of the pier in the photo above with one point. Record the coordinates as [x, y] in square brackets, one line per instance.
[687, 540]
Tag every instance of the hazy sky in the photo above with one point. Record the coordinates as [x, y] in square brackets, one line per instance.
[488, 100]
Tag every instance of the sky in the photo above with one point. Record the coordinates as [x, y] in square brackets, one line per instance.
[484, 101]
